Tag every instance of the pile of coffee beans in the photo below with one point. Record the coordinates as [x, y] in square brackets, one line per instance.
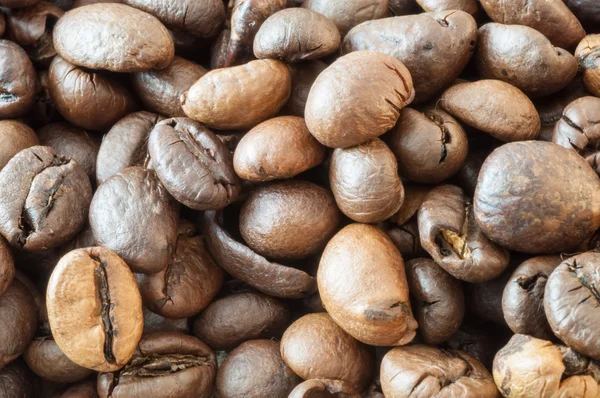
[299, 198]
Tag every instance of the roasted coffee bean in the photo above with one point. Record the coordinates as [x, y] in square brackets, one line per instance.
[255, 369]
[414, 194]
[19, 319]
[14, 137]
[87, 99]
[404, 7]
[156, 323]
[7, 266]
[202, 19]
[17, 81]
[430, 147]
[164, 365]
[371, 301]
[31, 28]
[231, 320]
[481, 340]
[552, 18]
[187, 285]
[579, 126]
[523, 57]
[44, 199]
[530, 367]
[450, 234]
[315, 347]
[296, 34]
[259, 87]
[16, 380]
[320, 388]
[571, 303]
[246, 265]
[2, 24]
[439, 303]
[160, 90]
[469, 6]
[428, 371]
[406, 238]
[434, 47]
[478, 104]
[289, 220]
[17, 3]
[126, 144]
[526, 209]
[279, 148]
[351, 167]
[117, 37]
[303, 75]
[347, 14]
[523, 297]
[484, 299]
[44, 358]
[84, 389]
[73, 143]
[133, 215]
[357, 98]
[95, 309]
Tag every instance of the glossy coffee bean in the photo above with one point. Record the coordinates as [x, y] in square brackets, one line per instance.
[17, 381]
[95, 309]
[156, 323]
[303, 76]
[45, 358]
[17, 79]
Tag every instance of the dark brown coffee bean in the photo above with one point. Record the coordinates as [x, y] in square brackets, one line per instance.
[404, 7]
[320, 388]
[32, 27]
[552, 18]
[571, 303]
[126, 144]
[193, 164]
[43, 110]
[279, 148]
[347, 105]
[187, 285]
[17, 81]
[95, 309]
[87, 100]
[255, 369]
[466, 177]
[160, 90]
[434, 47]
[537, 197]
[117, 37]
[587, 11]
[84, 389]
[439, 303]
[530, 367]
[289, 220]
[523, 297]
[202, 19]
[7, 266]
[164, 365]
[17, 3]
[156, 323]
[246, 265]
[523, 57]
[231, 320]
[484, 299]
[478, 104]
[133, 215]
[347, 14]
[406, 238]
[430, 372]
[430, 147]
[19, 318]
[14, 137]
[363, 286]
[259, 87]
[481, 340]
[414, 194]
[315, 347]
[351, 167]
[44, 199]
[303, 76]
[44, 358]
[579, 127]
[296, 34]
[73, 143]
[450, 234]
[469, 6]
[16, 380]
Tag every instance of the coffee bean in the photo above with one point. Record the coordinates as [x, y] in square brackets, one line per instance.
[14, 137]
[17, 81]
[345, 15]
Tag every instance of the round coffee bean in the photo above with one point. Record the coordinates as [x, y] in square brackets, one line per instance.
[17, 81]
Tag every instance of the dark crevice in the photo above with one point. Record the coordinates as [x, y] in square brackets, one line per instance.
[584, 279]
[162, 365]
[529, 282]
[107, 306]
[401, 76]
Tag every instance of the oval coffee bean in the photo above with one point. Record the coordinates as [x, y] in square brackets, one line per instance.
[347, 14]
[434, 47]
[371, 301]
[289, 220]
[117, 37]
[16, 380]
[95, 309]
[260, 88]
[17, 81]
[478, 104]
[512, 198]
[279, 148]
[44, 358]
[315, 347]
[133, 215]
[347, 105]
[231, 320]
[296, 34]
[193, 164]
[14, 137]
[351, 167]
[164, 365]
[44, 199]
